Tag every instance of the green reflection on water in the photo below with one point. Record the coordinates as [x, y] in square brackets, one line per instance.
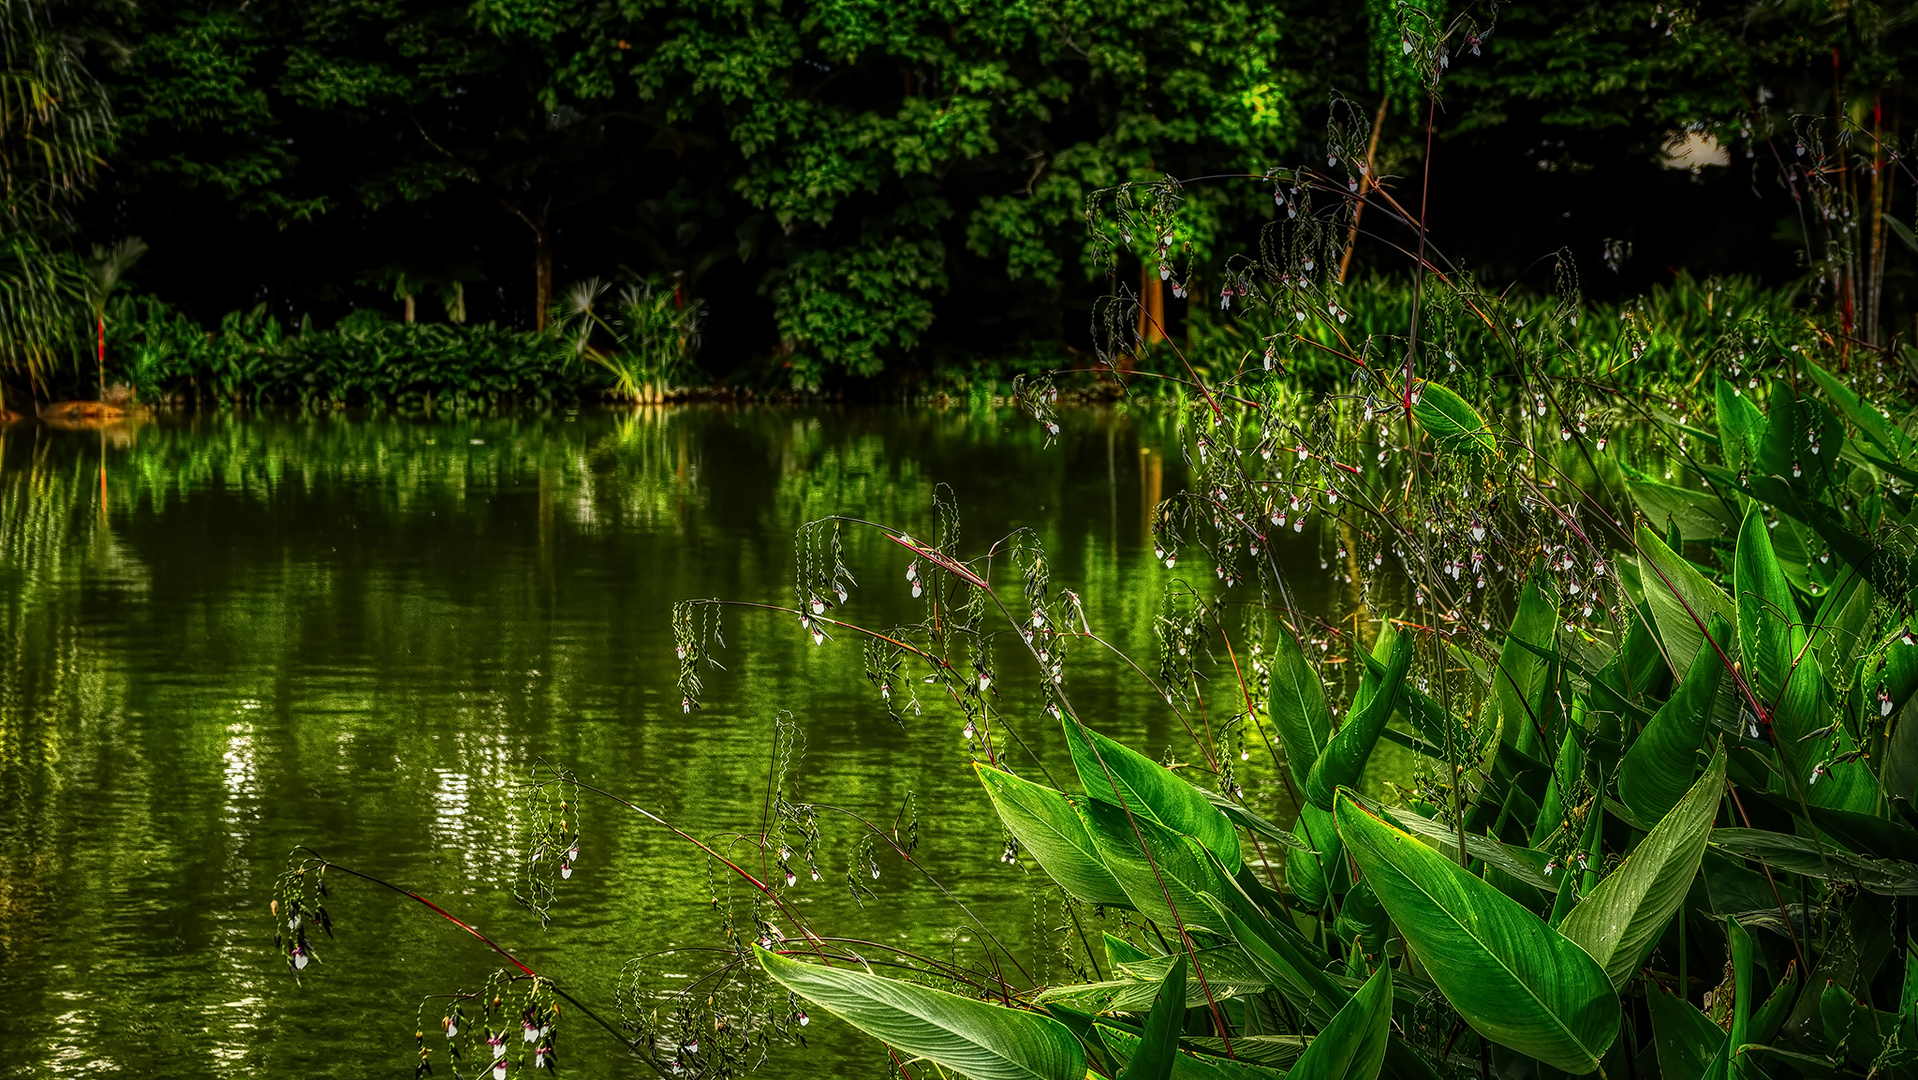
[358, 633]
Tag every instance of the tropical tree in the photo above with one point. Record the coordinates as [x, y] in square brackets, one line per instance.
[106, 269]
[54, 123]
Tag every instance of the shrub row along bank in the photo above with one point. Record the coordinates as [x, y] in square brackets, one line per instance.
[159, 356]
[253, 359]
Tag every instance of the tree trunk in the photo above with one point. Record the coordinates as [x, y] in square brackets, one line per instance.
[1151, 304]
[542, 271]
[409, 307]
[1366, 184]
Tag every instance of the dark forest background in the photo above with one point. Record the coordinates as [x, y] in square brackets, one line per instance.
[852, 185]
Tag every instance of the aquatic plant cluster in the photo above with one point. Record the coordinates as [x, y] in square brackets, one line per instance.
[1650, 654]
[1640, 623]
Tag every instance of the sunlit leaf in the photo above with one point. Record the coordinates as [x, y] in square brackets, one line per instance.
[1050, 830]
[1152, 1058]
[1518, 681]
[1111, 772]
[973, 1038]
[1682, 600]
[1177, 870]
[1512, 978]
[1343, 762]
[1352, 1046]
[1454, 425]
[1619, 921]
[1296, 706]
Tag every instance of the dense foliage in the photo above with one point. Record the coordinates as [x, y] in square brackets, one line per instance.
[837, 179]
[253, 359]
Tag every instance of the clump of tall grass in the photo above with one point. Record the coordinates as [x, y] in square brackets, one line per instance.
[645, 337]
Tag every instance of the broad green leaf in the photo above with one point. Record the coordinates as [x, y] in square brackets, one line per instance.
[1308, 866]
[1810, 1066]
[1518, 683]
[1887, 677]
[1567, 769]
[1135, 985]
[1152, 1058]
[1343, 762]
[1052, 832]
[1121, 951]
[1621, 919]
[1352, 1046]
[1697, 515]
[1296, 706]
[1362, 922]
[1880, 431]
[1278, 1051]
[1220, 964]
[1178, 867]
[1639, 671]
[1771, 1016]
[1454, 425]
[1186, 1066]
[1803, 855]
[1428, 717]
[1795, 426]
[1887, 569]
[1863, 832]
[1246, 819]
[1512, 978]
[1525, 864]
[1741, 950]
[1682, 600]
[1770, 635]
[1087, 1027]
[1741, 427]
[1663, 760]
[973, 1038]
[1838, 635]
[1853, 1025]
[1311, 990]
[1149, 790]
[1772, 643]
[1685, 1038]
[1899, 774]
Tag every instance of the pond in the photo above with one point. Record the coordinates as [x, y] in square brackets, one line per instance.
[224, 637]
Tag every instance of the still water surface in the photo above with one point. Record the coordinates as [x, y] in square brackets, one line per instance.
[358, 634]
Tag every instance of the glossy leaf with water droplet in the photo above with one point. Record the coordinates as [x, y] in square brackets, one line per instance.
[1050, 829]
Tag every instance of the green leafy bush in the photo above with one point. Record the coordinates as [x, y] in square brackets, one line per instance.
[253, 359]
